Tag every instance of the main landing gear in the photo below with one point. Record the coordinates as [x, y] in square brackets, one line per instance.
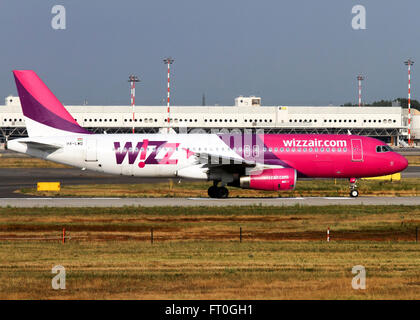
[218, 192]
[353, 188]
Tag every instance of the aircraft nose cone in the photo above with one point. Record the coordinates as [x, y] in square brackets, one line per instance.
[400, 163]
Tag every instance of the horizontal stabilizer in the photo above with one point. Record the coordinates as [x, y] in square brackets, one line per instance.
[41, 146]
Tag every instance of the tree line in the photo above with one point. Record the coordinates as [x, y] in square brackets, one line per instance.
[403, 102]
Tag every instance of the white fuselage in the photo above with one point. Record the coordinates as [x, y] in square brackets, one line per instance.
[166, 155]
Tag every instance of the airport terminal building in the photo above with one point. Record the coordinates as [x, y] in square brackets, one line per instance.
[387, 123]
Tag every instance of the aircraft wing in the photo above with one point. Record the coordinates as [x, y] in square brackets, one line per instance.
[215, 160]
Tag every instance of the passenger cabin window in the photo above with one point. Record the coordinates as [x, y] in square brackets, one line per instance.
[383, 148]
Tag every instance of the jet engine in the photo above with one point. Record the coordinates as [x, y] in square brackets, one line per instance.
[270, 179]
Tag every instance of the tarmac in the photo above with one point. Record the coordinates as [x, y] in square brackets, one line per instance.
[208, 202]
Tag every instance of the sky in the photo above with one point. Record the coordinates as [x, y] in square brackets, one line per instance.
[290, 52]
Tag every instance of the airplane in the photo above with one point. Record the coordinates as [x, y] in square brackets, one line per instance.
[245, 160]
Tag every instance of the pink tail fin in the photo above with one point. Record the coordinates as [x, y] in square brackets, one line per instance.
[44, 113]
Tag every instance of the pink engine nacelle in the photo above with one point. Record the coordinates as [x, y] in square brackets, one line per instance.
[270, 179]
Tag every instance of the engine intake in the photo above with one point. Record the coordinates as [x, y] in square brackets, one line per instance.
[270, 179]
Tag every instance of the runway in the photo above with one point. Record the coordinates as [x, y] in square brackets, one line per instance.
[411, 172]
[193, 202]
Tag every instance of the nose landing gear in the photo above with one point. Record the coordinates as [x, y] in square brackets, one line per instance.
[217, 192]
[353, 188]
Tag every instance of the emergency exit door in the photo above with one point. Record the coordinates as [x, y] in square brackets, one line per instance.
[356, 150]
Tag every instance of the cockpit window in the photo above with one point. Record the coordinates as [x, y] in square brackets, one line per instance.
[383, 148]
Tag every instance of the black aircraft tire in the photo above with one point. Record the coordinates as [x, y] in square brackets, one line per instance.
[223, 192]
[213, 192]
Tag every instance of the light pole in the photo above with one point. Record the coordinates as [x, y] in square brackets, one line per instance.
[168, 61]
[133, 79]
[409, 63]
[359, 79]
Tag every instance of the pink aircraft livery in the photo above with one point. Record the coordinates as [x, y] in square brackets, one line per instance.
[254, 161]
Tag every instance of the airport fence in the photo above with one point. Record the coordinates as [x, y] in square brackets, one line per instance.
[236, 235]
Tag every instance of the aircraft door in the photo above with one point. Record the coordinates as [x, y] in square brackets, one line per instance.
[91, 150]
[356, 150]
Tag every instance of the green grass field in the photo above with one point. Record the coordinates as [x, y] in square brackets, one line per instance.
[196, 253]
